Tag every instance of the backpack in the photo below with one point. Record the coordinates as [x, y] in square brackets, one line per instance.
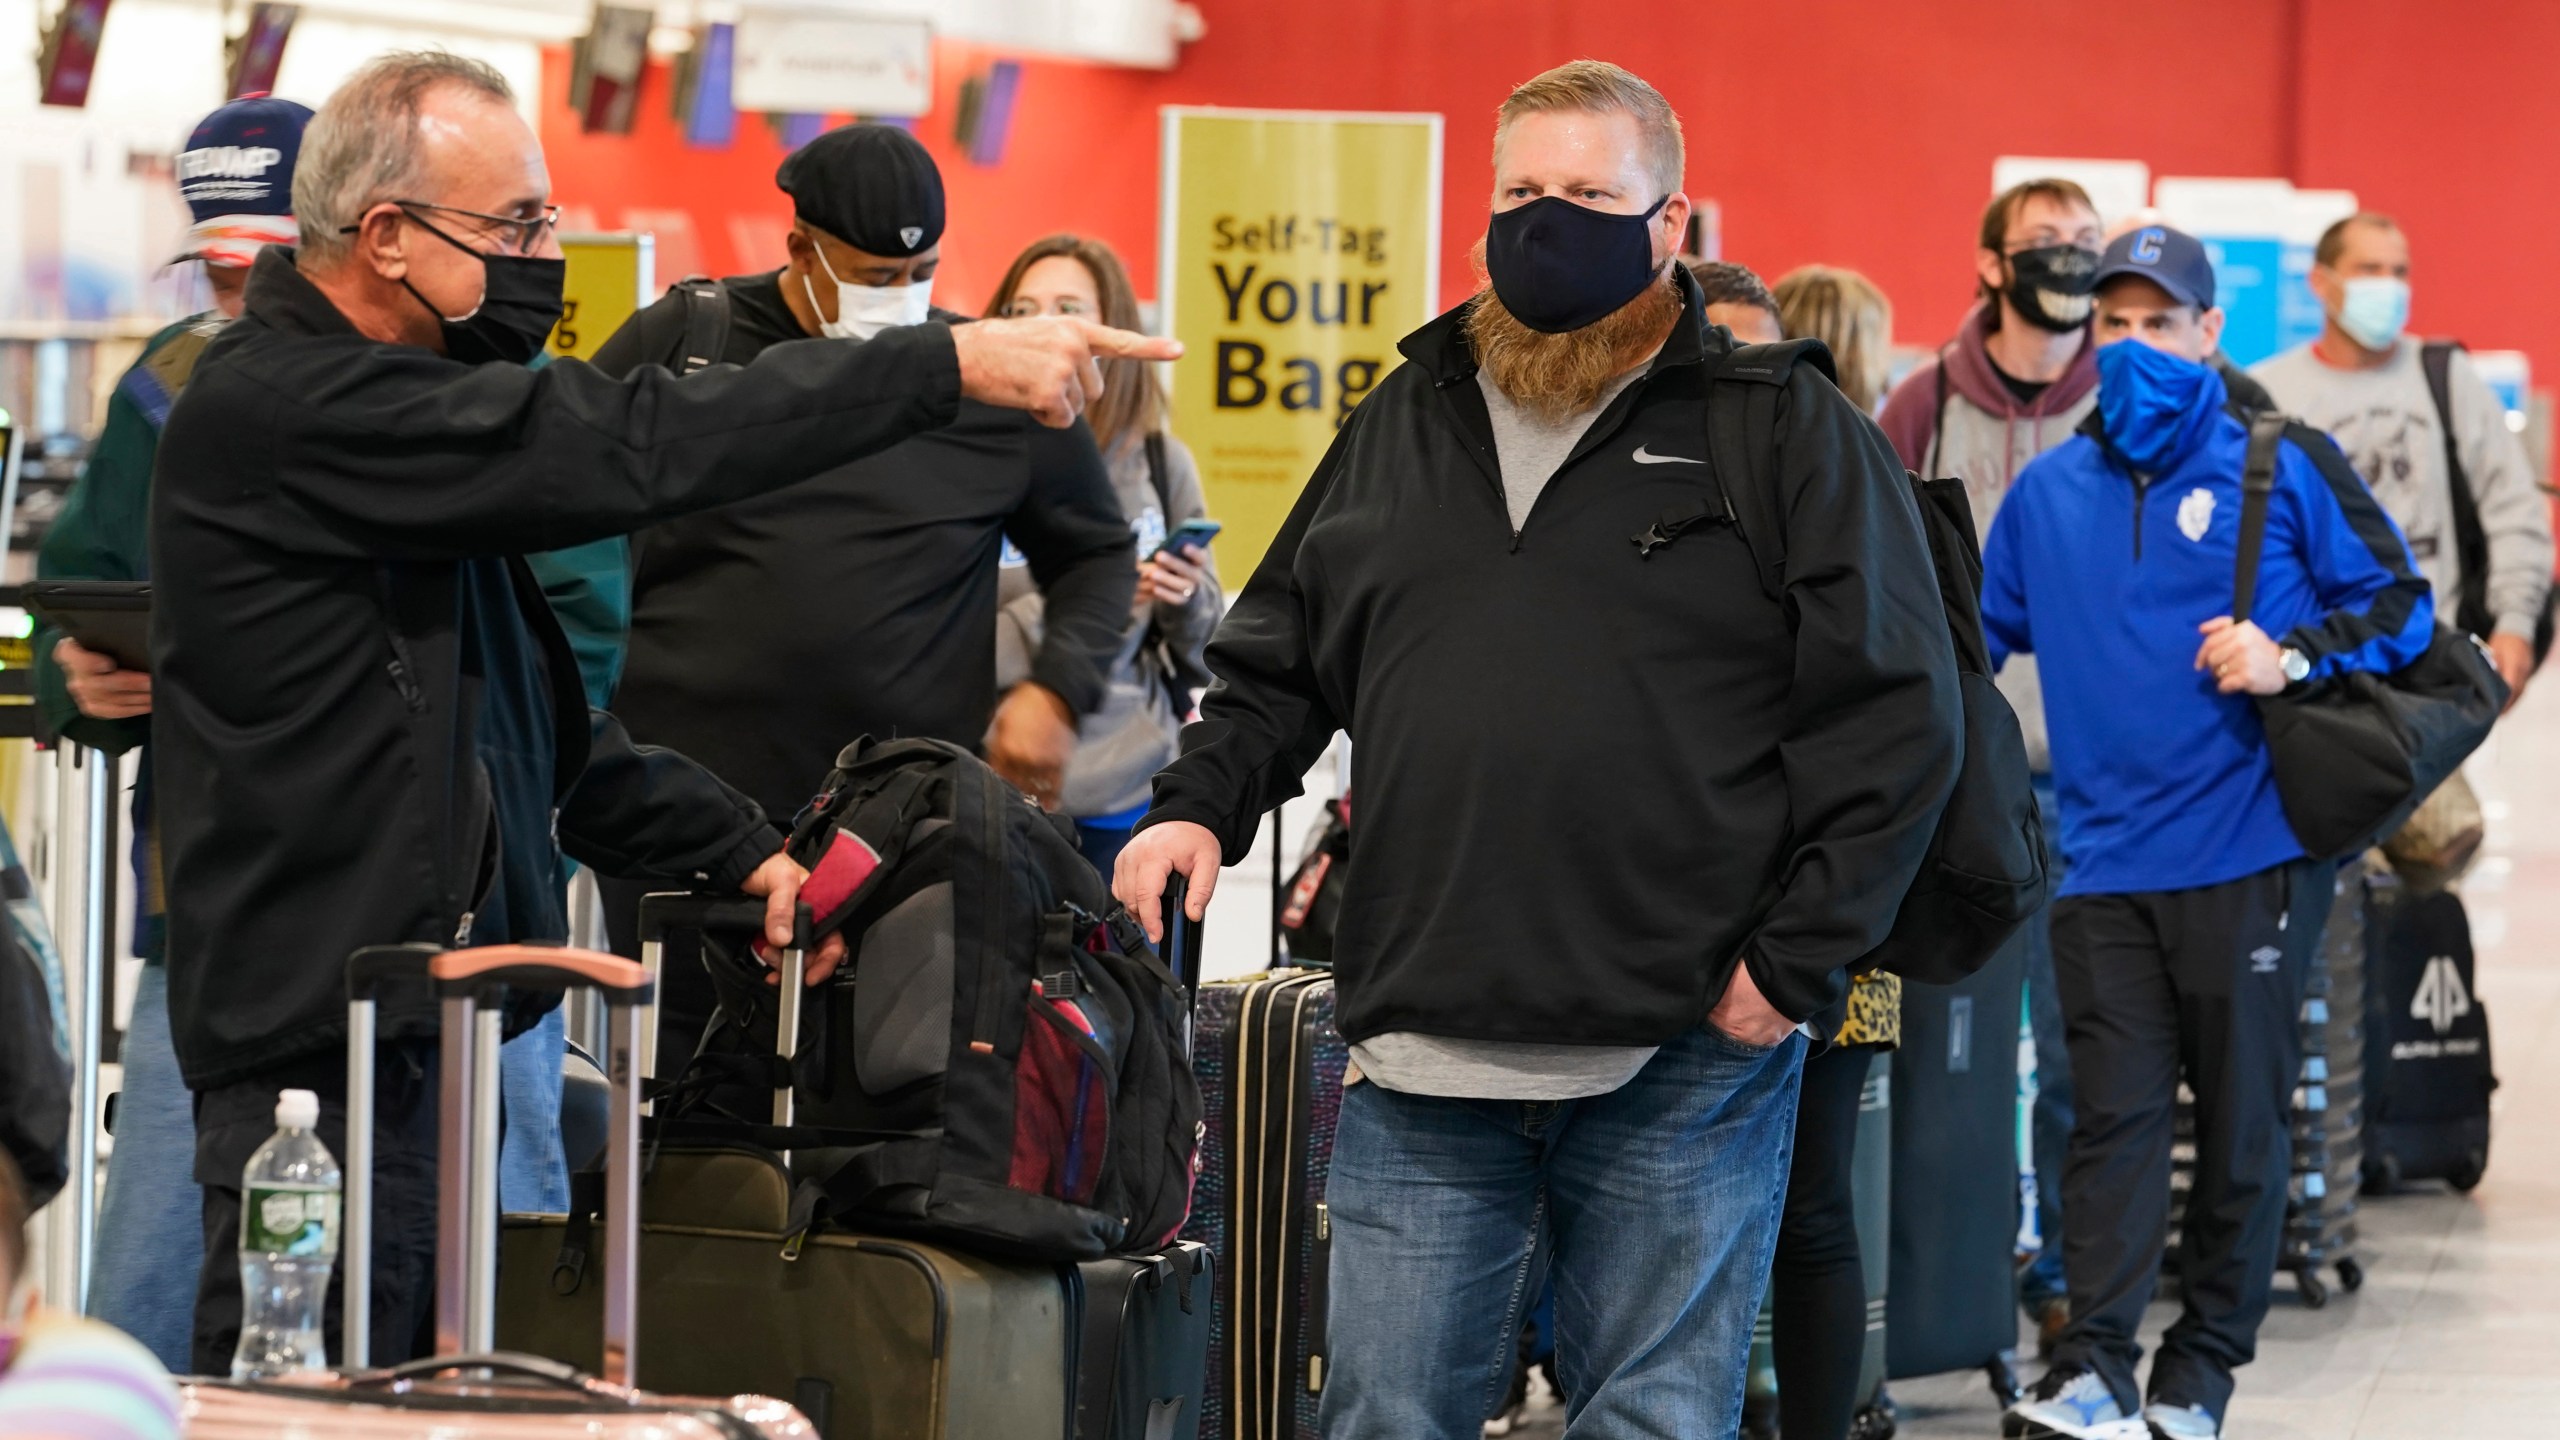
[691, 334]
[1001, 1061]
[2470, 537]
[1985, 871]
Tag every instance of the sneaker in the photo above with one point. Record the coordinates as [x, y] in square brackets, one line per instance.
[2071, 1403]
[2181, 1422]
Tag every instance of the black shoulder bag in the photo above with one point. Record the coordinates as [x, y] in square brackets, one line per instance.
[2354, 753]
[2470, 537]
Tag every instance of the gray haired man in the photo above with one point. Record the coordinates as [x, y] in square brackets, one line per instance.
[370, 729]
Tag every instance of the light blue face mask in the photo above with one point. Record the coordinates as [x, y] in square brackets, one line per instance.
[2375, 310]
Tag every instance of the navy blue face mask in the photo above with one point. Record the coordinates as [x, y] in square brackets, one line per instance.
[1559, 266]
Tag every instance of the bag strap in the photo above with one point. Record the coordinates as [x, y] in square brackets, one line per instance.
[1742, 441]
[2257, 487]
[2470, 537]
[1157, 476]
[1938, 428]
[706, 324]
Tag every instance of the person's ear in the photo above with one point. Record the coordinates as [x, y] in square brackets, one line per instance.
[1991, 268]
[381, 241]
[1674, 222]
[2211, 323]
[2324, 285]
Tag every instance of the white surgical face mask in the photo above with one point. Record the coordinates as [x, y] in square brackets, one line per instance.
[863, 311]
[2374, 310]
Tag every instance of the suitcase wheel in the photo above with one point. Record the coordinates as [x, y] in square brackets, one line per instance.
[2350, 1275]
[2467, 1172]
[2004, 1380]
[2381, 1173]
[2313, 1289]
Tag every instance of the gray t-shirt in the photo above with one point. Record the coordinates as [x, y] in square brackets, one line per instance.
[1531, 451]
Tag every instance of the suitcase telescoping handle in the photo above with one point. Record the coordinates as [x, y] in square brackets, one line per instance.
[679, 910]
[469, 985]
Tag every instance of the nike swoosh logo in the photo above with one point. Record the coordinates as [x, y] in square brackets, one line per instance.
[1647, 457]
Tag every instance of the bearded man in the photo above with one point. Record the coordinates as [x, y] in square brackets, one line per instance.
[1625, 822]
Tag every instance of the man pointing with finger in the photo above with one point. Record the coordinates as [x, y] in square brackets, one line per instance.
[369, 727]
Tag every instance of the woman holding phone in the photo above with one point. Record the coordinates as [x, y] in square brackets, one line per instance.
[1178, 602]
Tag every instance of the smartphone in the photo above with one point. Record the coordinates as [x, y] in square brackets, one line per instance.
[1188, 533]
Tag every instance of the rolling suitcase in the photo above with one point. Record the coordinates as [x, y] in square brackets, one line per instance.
[1953, 1301]
[466, 1391]
[873, 1337]
[1270, 1065]
[2427, 1075]
[1143, 1353]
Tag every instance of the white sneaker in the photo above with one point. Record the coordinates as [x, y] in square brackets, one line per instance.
[2182, 1422]
[2071, 1403]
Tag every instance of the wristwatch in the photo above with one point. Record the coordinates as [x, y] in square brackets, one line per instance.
[2297, 666]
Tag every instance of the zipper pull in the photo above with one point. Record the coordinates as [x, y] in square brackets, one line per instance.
[1515, 542]
[1650, 541]
[462, 931]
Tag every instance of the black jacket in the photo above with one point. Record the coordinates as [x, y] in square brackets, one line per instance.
[366, 717]
[862, 602]
[1591, 776]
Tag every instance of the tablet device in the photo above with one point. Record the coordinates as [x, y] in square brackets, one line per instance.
[112, 617]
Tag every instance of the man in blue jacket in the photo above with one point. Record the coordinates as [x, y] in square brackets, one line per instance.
[2190, 910]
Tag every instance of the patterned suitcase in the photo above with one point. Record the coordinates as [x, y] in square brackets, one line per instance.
[1270, 1065]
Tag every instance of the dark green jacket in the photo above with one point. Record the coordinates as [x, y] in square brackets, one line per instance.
[103, 533]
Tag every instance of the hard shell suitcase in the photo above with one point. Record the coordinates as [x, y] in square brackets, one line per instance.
[2427, 1072]
[467, 1392]
[1144, 1351]
[1270, 1065]
[1953, 1303]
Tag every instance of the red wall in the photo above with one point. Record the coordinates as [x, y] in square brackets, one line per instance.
[1856, 132]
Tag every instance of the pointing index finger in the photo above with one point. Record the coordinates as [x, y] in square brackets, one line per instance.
[1110, 344]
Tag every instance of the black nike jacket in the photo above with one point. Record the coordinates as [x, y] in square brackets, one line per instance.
[368, 726]
[1594, 772]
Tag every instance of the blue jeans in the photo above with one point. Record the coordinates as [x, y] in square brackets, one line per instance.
[151, 1221]
[533, 1174]
[1653, 1208]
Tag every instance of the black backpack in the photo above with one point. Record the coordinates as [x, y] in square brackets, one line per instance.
[1985, 872]
[1001, 1060]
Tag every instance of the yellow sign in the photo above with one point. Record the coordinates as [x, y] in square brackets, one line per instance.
[610, 277]
[1299, 247]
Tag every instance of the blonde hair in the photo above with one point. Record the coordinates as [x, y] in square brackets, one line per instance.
[1598, 87]
[1844, 310]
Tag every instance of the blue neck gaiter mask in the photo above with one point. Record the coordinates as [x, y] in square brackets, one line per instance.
[2154, 406]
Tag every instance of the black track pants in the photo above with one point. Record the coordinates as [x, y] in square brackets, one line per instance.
[2206, 985]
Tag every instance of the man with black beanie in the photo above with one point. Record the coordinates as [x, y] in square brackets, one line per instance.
[862, 601]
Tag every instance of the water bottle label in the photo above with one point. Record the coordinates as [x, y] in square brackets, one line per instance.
[299, 1223]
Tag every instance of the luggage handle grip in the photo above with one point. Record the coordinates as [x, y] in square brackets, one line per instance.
[496, 1362]
[541, 967]
[686, 910]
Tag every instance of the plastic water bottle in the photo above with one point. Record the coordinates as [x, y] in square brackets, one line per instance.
[288, 1245]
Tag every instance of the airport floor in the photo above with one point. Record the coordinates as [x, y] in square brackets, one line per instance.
[2457, 1329]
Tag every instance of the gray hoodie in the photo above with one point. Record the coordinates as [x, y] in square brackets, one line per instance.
[1136, 730]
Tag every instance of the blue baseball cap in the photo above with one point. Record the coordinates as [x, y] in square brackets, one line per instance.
[2171, 259]
[236, 176]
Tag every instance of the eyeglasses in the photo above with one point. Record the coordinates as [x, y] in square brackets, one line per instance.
[518, 234]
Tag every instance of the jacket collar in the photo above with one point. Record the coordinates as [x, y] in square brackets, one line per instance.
[1440, 347]
[282, 296]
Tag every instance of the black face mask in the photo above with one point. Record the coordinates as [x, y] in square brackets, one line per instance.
[2052, 286]
[520, 302]
[1559, 266]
